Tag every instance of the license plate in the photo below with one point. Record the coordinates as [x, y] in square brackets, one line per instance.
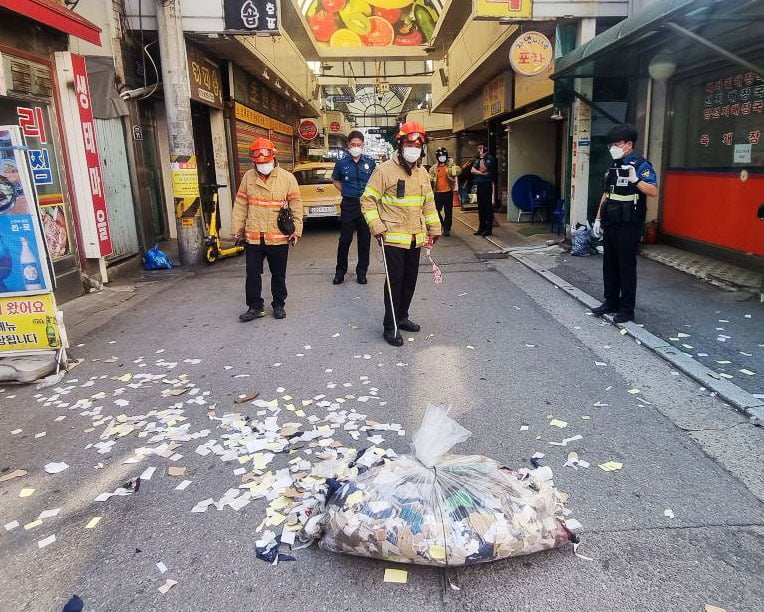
[321, 209]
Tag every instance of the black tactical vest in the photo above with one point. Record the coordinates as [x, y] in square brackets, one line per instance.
[625, 203]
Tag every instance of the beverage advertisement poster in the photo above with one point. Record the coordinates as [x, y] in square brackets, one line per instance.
[28, 323]
[23, 258]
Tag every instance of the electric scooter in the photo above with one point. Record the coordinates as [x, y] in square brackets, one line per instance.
[214, 248]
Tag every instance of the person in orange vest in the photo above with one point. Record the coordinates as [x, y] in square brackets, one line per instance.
[399, 206]
[264, 191]
[443, 175]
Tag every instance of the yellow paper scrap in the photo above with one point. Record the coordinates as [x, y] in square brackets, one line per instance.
[396, 576]
[93, 522]
[354, 498]
[558, 423]
[280, 503]
[275, 519]
[243, 459]
[306, 403]
[300, 413]
[33, 524]
[286, 398]
[710, 608]
[26, 492]
[290, 407]
[610, 466]
[273, 404]
[634, 391]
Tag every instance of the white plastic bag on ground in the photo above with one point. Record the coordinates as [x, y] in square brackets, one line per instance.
[444, 510]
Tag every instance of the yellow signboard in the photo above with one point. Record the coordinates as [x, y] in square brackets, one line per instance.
[531, 54]
[28, 322]
[506, 9]
[185, 183]
[495, 97]
[251, 116]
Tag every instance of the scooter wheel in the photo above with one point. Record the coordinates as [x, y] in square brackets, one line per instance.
[210, 255]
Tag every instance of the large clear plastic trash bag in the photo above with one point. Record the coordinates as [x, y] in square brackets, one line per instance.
[445, 510]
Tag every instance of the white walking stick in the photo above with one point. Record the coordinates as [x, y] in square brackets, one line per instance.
[389, 286]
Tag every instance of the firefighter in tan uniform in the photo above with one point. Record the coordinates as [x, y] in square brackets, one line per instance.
[399, 206]
[264, 190]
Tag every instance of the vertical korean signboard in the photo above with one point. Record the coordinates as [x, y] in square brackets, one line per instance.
[92, 159]
[27, 308]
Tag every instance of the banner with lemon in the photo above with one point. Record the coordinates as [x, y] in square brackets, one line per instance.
[372, 23]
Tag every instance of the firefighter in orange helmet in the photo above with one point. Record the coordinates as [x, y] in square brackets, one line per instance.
[264, 190]
[399, 206]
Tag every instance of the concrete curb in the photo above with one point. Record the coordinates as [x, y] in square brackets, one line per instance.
[739, 398]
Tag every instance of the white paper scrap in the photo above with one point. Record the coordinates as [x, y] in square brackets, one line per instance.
[161, 567]
[182, 486]
[668, 512]
[148, 473]
[56, 467]
[45, 541]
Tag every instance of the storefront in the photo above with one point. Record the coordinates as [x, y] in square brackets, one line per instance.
[259, 110]
[28, 100]
[714, 182]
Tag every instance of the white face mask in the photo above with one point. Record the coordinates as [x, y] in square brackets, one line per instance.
[616, 152]
[265, 168]
[355, 151]
[442, 158]
[412, 154]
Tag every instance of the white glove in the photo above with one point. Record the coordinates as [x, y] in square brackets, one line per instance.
[597, 229]
[632, 177]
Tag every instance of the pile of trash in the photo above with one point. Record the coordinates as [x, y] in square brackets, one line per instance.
[429, 508]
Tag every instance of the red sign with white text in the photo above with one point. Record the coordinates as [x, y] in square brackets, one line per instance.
[308, 129]
[82, 91]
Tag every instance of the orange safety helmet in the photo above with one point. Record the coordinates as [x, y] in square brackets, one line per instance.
[413, 132]
[262, 150]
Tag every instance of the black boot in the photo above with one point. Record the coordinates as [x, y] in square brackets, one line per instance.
[392, 337]
[338, 279]
[408, 325]
[623, 316]
[251, 314]
[279, 312]
[604, 309]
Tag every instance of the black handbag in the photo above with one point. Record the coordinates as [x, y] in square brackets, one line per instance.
[286, 220]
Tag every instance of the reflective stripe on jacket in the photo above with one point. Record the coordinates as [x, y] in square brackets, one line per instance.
[405, 217]
[257, 204]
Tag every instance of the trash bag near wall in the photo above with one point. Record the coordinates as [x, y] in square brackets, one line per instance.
[444, 510]
[581, 242]
[156, 260]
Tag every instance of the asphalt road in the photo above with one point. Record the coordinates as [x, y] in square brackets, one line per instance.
[498, 343]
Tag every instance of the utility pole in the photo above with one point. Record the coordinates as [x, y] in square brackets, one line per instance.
[177, 96]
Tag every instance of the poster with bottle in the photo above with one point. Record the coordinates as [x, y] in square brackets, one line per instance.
[24, 266]
[29, 323]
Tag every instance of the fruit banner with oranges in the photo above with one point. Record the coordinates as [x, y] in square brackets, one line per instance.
[372, 23]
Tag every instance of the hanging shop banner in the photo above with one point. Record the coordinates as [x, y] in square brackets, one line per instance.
[531, 54]
[205, 79]
[261, 16]
[502, 9]
[28, 323]
[23, 258]
[497, 98]
[248, 115]
[258, 96]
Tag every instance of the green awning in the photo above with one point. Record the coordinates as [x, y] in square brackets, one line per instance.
[626, 48]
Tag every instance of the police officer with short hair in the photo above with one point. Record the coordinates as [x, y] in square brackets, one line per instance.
[350, 176]
[620, 220]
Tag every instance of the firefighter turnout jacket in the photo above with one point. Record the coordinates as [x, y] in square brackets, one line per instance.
[257, 205]
[400, 205]
[625, 203]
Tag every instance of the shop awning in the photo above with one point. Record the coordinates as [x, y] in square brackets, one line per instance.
[626, 48]
[56, 16]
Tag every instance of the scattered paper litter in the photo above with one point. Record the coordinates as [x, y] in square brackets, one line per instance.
[11, 526]
[16, 431]
[167, 586]
[33, 524]
[558, 423]
[396, 576]
[182, 486]
[46, 514]
[56, 467]
[610, 466]
[176, 471]
[13, 474]
[26, 492]
[148, 473]
[747, 372]
[46, 541]
[712, 608]
[161, 567]
[668, 512]
[42, 434]
[93, 522]
[634, 391]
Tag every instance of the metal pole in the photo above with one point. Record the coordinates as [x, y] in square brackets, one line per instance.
[177, 95]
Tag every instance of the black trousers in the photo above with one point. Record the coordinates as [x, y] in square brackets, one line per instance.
[444, 202]
[619, 266]
[348, 227]
[403, 268]
[277, 255]
[485, 206]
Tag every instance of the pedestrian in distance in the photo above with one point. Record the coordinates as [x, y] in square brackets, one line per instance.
[443, 175]
[350, 176]
[264, 191]
[483, 168]
[399, 206]
[620, 219]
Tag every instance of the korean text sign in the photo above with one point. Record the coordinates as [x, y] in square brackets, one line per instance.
[82, 94]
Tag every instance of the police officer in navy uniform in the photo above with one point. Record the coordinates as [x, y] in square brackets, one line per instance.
[350, 176]
[620, 220]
